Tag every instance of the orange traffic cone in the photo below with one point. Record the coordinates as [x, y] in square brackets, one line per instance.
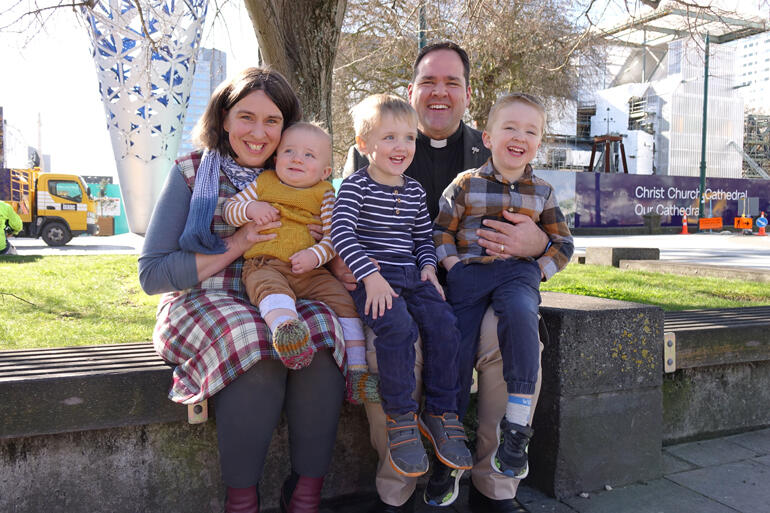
[761, 231]
[684, 225]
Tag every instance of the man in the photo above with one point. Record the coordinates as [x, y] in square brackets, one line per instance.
[9, 220]
[440, 94]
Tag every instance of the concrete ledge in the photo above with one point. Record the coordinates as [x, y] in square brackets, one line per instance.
[613, 256]
[168, 468]
[718, 400]
[691, 269]
[599, 415]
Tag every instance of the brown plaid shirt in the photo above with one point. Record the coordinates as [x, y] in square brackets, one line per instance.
[483, 193]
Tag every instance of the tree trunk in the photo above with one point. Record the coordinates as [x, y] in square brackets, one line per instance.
[299, 39]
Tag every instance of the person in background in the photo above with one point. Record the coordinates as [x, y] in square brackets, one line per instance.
[11, 224]
[205, 323]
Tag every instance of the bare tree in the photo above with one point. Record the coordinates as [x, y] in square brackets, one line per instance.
[513, 45]
[299, 39]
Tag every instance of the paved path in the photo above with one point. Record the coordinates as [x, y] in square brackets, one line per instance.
[713, 249]
[724, 475]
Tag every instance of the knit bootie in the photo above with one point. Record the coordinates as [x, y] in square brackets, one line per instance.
[291, 340]
[300, 494]
[362, 387]
[242, 500]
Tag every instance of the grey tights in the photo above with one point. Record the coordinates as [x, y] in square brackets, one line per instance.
[249, 408]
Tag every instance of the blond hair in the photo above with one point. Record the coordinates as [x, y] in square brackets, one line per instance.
[510, 99]
[311, 126]
[368, 113]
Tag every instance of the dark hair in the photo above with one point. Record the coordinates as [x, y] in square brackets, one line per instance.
[209, 133]
[444, 45]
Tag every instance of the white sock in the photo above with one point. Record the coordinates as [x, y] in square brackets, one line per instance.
[279, 320]
[356, 356]
[518, 409]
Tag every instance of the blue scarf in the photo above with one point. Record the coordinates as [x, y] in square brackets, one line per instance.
[197, 236]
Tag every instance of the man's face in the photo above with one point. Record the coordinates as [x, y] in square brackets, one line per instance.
[439, 93]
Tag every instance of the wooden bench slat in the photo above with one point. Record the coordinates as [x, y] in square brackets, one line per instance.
[720, 336]
[35, 373]
[69, 363]
[42, 359]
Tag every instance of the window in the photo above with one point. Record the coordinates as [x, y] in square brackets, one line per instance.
[66, 189]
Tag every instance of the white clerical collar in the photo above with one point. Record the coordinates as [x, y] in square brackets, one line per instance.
[438, 143]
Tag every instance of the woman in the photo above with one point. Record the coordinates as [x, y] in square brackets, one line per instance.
[205, 323]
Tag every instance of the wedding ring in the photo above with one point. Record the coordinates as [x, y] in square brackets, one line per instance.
[502, 248]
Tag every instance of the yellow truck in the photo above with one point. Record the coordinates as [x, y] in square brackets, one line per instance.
[53, 206]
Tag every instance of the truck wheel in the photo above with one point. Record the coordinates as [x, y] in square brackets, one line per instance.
[56, 234]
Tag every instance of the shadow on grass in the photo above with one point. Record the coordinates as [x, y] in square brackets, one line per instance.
[19, 259]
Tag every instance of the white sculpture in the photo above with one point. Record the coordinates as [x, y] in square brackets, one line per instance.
[145, 61]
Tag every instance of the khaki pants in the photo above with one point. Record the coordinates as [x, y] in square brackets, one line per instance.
[394, 488]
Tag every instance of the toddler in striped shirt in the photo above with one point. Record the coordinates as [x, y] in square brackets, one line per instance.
[382, 231]
[291, 266]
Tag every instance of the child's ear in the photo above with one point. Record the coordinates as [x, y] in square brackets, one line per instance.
[327, 172]
[486, 139]
[361, 144]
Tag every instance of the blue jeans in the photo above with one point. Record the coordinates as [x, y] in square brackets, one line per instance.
[418, 307]
[512, 287]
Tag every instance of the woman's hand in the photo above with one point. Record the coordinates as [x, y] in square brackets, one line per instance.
[523, 238]
[249, 234]
[303, 261]
[429, 273]
[316, 231]
[379, 295]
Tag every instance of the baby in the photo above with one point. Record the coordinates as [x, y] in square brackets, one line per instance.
[279, 271]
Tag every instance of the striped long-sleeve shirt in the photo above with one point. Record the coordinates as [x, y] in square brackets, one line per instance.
[482, 194]
[297, 208]
[389, 224]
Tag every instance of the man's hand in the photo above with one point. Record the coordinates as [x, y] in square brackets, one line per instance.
[262, 212]
[379, 295]
[303, 261]
[341, 271]
[429, 273]
[523, 238]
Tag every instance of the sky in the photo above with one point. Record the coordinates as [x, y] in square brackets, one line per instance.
[52, 77]
[48, 75]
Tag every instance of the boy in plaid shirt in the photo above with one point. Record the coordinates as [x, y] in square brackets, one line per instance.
[477, 277]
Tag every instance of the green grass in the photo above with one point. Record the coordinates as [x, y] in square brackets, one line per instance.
[72, 300]
[83, 300]
[669, 291]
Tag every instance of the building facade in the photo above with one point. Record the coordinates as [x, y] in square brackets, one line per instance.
[210, 71]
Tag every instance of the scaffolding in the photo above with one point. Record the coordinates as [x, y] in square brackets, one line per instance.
[640, 115]
[756, 144]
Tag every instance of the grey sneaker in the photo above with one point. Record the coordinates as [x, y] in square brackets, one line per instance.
[407, 454]
[443, 485]
[447, 435]
[511, 458]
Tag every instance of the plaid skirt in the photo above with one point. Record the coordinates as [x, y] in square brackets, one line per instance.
[215, 335]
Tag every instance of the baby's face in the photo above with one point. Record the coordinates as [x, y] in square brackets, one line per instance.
[303, 158]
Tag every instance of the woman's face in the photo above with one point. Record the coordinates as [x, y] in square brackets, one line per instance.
[253, 126]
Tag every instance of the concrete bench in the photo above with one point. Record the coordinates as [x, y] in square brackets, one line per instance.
[91, 429]
[717, 379]
[88, 429]
[613, 256]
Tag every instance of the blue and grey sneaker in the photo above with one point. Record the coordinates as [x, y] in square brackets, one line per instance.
[511, 458]
[447, 435]
[443, 485]
[407, 454]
